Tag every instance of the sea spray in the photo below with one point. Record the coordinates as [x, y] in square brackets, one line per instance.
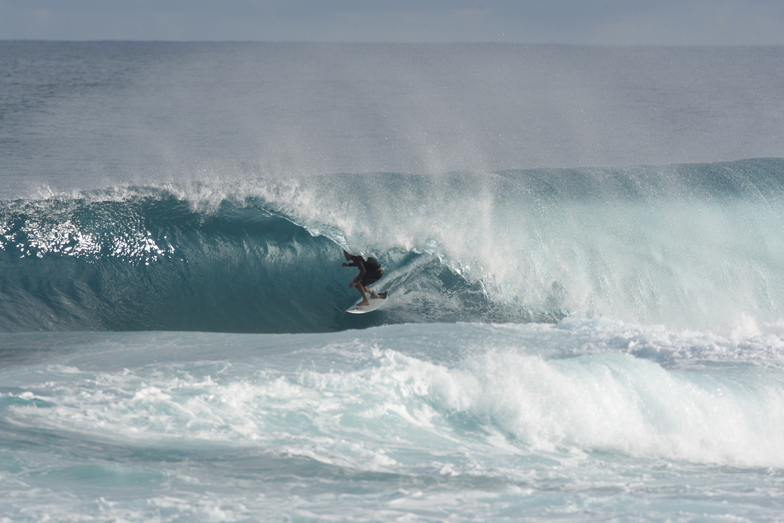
[582, 248]
[682, 245]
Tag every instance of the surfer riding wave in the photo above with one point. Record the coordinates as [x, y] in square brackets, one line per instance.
[370, 271]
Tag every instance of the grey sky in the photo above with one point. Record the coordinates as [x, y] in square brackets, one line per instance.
[667, 22]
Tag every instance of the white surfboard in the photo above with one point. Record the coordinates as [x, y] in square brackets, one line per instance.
[375, 303]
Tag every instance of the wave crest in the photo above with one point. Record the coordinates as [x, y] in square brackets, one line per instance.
[152, 260]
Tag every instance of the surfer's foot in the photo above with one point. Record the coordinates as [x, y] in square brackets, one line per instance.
[363, 304]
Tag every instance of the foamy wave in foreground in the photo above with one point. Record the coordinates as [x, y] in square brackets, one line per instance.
[420, 418]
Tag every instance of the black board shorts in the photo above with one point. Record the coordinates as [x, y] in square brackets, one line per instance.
[371, 277]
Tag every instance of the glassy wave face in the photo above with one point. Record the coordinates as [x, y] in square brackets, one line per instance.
[684, 245]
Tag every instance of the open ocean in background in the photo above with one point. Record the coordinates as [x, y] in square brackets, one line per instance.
[584, 252]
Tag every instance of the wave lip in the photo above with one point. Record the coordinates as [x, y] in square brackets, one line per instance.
[151, 261]
[148, 259]
[686, 246]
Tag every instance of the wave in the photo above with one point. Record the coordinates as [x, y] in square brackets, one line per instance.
[148, 259]
[583, 386]
[699, 245]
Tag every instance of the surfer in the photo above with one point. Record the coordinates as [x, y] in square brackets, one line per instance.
[370, 271]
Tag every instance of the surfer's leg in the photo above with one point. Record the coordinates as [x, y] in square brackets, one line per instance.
[363, 292]
[372, 277]
[370, 291]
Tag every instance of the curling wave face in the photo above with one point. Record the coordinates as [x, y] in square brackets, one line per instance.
[150, 260]
[691, 245]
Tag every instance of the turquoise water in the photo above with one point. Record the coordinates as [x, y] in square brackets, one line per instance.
[582, 247]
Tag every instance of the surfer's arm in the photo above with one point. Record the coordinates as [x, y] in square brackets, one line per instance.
[358, 263]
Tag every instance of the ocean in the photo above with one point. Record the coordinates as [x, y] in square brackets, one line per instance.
[583, 250]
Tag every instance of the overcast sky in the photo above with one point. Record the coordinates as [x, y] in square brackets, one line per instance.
[667, 22]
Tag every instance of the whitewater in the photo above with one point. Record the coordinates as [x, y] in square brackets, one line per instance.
[583, 249]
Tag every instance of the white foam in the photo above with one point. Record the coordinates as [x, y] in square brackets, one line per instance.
[500, 415]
